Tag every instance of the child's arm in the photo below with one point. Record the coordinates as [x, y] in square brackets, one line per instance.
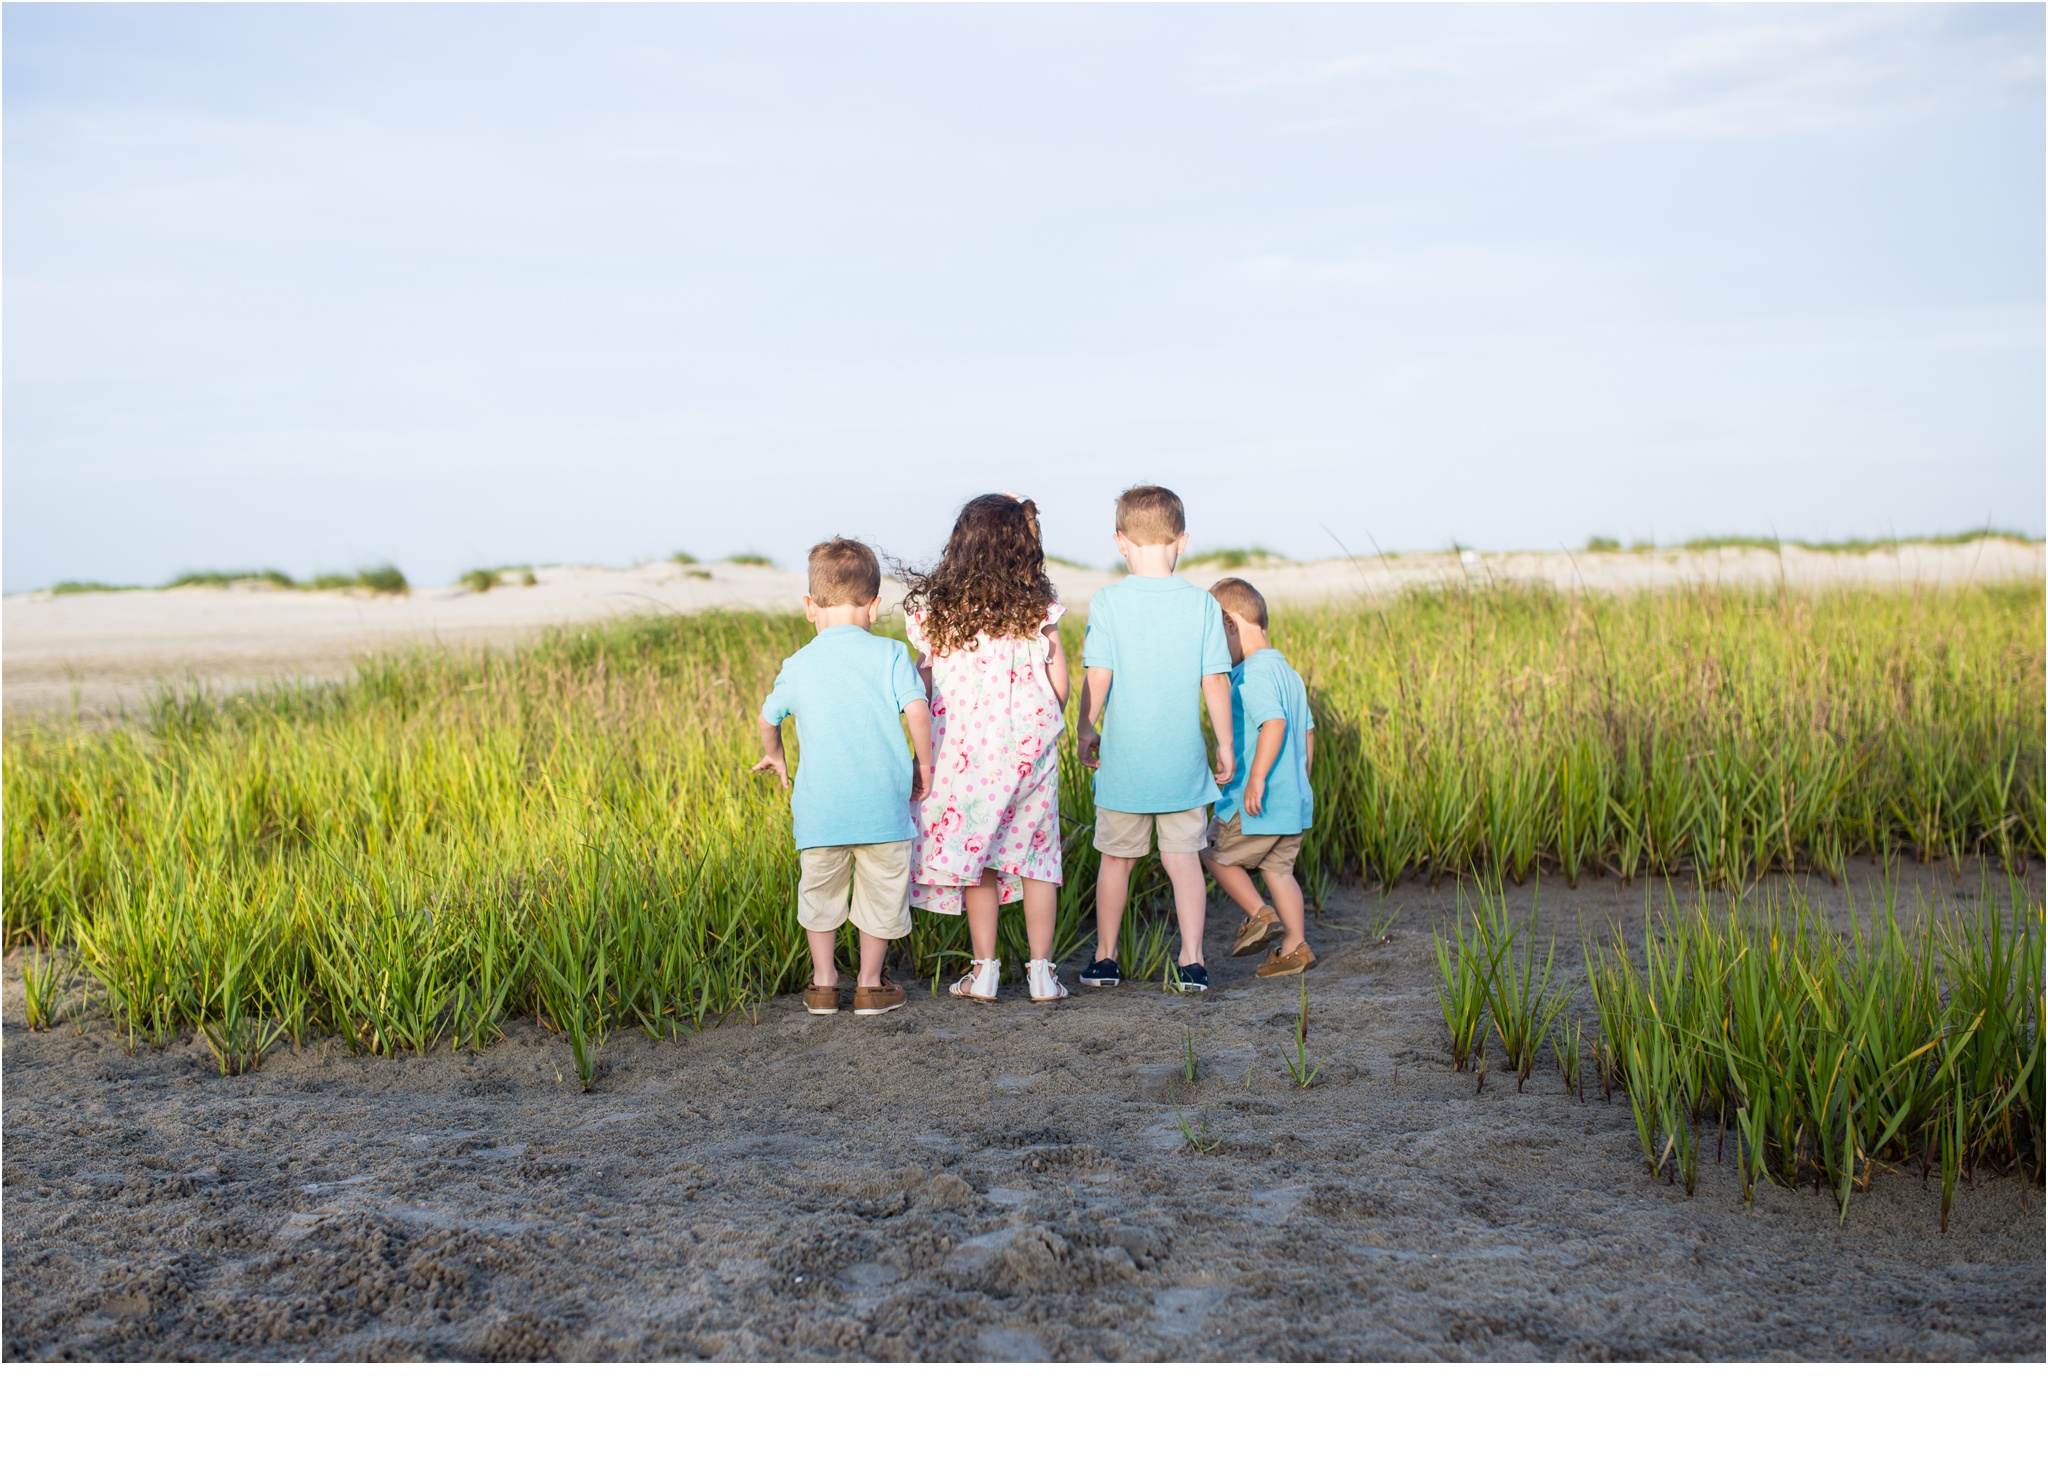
[1308, 752]
[1216, 692]
[1272, 733]
[1056, 667]
[919, 716]
[772, 760]
[1094, 693]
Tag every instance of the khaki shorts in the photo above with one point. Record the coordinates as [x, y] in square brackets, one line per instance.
[1129, 836]
[1273, 853]
[870, 881]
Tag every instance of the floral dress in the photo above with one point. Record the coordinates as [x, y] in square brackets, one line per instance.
[995, 795]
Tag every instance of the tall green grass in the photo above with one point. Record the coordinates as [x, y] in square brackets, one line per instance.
[1720, 733]
[566, 832]
[1830, 1054]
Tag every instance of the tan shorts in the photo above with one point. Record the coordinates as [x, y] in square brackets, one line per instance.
[1129, 836]
[1273, 853]
[871, 881]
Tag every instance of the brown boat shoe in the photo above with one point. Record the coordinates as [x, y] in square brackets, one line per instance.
[868, 1001]
[1287, 963]
[1257, 930]
[821, 1001]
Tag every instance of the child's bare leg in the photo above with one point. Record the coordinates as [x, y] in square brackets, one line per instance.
[984, 904]
[1288, 902]
[1190, 901]
[1236, 882]
[1112, 890]
[874, 950]
[1041, 916]
[823, 972]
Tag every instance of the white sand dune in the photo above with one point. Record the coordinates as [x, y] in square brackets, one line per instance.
[102, 652]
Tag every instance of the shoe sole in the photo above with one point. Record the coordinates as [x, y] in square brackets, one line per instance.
[970, 996]
[1100, 981]
[1060, 998]
[821, 1011]
[876, 1011]
[1247, 945]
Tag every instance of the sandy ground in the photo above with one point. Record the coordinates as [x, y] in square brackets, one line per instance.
[102, 652]
[958, 1182]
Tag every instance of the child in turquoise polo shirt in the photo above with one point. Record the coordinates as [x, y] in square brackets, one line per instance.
[1155, 652]
[851, 694]
[1265, 809]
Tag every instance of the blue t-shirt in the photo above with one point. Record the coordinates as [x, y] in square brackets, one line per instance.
[847, 691]
[1160, 636]
[1262, 687]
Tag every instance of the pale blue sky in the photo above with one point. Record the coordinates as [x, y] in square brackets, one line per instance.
[310, 287]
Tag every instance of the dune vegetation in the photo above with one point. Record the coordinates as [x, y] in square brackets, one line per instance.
[457, 837]
[377, 579]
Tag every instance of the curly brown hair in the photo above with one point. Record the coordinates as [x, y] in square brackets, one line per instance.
[991, 579]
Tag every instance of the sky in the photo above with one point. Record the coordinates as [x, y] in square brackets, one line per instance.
[451, 286]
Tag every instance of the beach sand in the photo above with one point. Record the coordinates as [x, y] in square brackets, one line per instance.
[103, 652]
[955, 1181]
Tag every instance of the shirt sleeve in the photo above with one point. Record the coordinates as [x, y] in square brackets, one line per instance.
[1215, 649]
[1098, 644]
[1053, 613]
[1262, 701]
[908, 685]
[781, 698]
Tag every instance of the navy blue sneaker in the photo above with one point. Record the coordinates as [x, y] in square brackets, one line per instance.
[1102, 972]
[1193, 977]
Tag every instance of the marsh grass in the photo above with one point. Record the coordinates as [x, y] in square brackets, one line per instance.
[1522, 1001]
[1295, 1055]
[1831, 1055]
[1195, 1133]
[458, 839]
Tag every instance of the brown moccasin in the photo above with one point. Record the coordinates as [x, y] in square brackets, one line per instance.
[1256, 931]
[1287, 963]
[867, 1001]
[821, 1001]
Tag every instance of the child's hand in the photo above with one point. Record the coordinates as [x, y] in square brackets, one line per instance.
[1255, 796]
[773, 763]
[1226, 767]
[1089, 747]
[920, 781]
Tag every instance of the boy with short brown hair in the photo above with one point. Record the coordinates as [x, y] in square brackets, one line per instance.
[851, 694]
[1155, 653]
[1265, 809]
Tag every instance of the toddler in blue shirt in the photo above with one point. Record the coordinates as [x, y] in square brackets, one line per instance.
[851, 693]
[1155, 652]
[1264, 810]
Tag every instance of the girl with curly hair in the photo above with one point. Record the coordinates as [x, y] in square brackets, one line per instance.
[985, 624]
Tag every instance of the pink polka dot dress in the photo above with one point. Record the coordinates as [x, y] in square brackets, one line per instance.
[995, 797]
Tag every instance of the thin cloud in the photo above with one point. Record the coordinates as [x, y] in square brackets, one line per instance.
[1810, 75]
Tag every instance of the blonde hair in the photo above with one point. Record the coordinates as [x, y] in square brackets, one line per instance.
[1241, 599]
[1149, 514]
[844, 572]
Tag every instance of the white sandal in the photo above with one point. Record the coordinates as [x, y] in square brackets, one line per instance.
[979, 985]
[1046, 985]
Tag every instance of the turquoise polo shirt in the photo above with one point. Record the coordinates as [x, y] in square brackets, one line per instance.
[1159, 636]
[1263, 687]
[847, 691]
